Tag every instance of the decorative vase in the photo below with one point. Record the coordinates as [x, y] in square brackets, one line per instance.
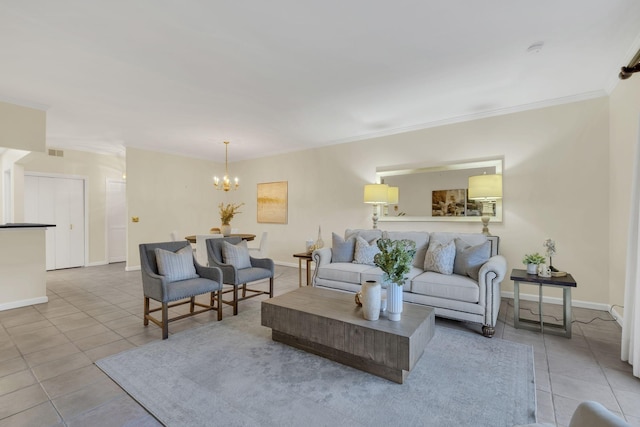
[394, 301]
[225, 229]
[319, 242]
[532, 269]
[370, 299]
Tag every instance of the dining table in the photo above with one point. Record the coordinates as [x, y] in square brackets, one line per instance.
[244, 236]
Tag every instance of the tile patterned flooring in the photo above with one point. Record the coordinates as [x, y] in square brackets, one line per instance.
[47, 375]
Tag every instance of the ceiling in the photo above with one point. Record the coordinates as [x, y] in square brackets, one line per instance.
[284, 75]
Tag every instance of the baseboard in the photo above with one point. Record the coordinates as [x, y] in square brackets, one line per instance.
[97, 263]
[558, 301]
[616, 315]
[134, 268]
[23, 303]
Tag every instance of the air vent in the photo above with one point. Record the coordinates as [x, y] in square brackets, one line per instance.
[56, 153]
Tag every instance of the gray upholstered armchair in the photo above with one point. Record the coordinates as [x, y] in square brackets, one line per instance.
[171, 274]
[239, 268]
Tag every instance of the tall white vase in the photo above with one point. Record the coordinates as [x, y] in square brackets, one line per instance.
[371, 290]
[394, 302]
[225, 229]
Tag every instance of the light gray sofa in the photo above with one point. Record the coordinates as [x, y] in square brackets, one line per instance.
[454, 296]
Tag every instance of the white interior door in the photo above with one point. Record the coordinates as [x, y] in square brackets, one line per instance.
[59, 201]
[116, 221]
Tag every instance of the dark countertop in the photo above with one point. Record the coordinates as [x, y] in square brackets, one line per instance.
[25, 225]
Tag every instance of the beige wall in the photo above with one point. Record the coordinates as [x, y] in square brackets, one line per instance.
[22, 127]
[555, 185]
[625, 116]
[97, 168]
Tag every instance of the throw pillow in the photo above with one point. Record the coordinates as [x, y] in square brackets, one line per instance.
[175, 266]
[365, 251]
[236, 255]
[469, 258]
[440, 257]
[342, 249]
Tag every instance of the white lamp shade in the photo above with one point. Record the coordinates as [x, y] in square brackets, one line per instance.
[376, 193]
[485, 187]
[393, 195]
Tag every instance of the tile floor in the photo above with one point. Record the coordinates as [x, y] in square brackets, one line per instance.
[47, 375]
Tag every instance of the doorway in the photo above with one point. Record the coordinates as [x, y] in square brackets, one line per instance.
[116, 221]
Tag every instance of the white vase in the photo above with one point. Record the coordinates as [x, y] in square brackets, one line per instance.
[532, 269]
[371, 299]
[225, 229]
[394, 302]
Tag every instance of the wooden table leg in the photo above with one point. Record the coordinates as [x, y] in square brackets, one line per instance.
[308, 272]
[299, 272]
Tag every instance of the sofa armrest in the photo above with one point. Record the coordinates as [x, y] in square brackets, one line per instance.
[490, 277]
[321, 257]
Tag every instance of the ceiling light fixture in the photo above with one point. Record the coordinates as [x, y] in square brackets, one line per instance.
[225, 184]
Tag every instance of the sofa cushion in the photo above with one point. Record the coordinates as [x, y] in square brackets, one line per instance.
[176, 266]
[342, 271]
[421, 238]
[440, 257]
[367, 235]
[342, 249]
[365, 251]
[469, 258]
[453, 286]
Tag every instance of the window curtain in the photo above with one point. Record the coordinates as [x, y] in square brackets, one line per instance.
[631, 321]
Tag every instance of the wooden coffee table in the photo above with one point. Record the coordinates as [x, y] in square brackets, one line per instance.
[328, 323]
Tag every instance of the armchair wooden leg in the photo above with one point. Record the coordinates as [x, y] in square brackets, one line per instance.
[146, 311]
[271, 287]
[192, 305]
[165, 320]
[244, 290]
[235, 300]
[215, 297]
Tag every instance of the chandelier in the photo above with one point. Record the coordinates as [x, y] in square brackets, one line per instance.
[225, 184]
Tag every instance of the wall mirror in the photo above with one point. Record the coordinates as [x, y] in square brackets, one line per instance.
[436, 192]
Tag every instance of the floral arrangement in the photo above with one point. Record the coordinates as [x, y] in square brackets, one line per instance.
[395, 259]
[227, 212]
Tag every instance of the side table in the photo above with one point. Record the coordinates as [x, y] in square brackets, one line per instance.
[306, 256]
[565, 283]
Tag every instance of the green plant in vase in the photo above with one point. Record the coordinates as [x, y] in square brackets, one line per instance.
[532, 261]
[395, 259]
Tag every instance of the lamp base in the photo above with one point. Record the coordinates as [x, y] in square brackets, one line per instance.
[374, 218]
[485, 225]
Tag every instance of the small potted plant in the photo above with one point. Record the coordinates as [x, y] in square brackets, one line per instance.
[532, 261]
[226, 215]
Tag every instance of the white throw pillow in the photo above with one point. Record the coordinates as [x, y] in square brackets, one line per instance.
[175, 266]
[236, 255]
[440, 257]
[365, 251]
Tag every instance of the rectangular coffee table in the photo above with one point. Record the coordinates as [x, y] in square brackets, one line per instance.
[330, 324]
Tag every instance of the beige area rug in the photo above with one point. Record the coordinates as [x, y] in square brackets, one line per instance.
[231, 373]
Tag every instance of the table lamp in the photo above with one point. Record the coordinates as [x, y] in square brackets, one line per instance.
[376, 194]
[487, 189]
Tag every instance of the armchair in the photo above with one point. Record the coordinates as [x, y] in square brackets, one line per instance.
[171, 279]
[239, 274]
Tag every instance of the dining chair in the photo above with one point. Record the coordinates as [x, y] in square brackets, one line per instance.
[201, 247]
[231, 255]
[260, 251]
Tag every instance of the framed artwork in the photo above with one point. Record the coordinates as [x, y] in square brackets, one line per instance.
[273, 202]
[448, 202]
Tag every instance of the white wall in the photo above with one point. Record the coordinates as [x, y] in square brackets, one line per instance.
[555, 185]
[22, 128]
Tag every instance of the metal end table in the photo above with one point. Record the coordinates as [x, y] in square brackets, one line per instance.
[566, 283]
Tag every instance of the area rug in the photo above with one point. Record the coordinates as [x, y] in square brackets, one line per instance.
[232, 373]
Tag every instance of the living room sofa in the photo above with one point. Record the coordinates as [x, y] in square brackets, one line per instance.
[471, 294]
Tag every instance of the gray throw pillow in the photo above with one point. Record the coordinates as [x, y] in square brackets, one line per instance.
[365, 251]
[175, 266]
[236, 255]
[469, 258]
[342, 249]
[440, 257]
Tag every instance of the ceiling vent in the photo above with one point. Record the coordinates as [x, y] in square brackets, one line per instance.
[56, 153]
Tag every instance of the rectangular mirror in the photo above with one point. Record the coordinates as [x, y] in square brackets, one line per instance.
[437, 192]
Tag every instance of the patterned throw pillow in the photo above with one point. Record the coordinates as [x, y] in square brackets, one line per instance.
[365, 251]
[175, 266]
[342, 249]
[236, 255]
[440, 257]
[469, 258]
